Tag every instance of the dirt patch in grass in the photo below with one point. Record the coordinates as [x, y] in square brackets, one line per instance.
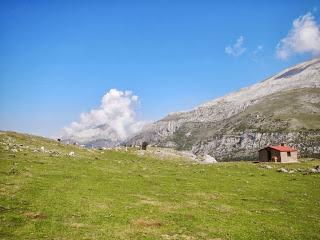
[178, 237]
[146, 223]
[184, 237]
[224, 208]
[163, 206]
[151, 202]
[79, 225]
[206, 196]
[34, 215]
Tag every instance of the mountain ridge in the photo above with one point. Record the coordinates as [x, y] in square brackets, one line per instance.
[168, 132]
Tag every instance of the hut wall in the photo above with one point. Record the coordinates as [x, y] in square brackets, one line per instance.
[287, 159]
[263, 155]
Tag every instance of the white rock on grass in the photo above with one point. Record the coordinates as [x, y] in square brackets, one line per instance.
[71, 154]
[282, 170]
[315, 170]
[42, 149]
[266, 166]
[209, 159]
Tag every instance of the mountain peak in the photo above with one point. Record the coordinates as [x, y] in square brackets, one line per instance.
[302, 75]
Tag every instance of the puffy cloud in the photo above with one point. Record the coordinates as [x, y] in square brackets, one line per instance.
[114, 119]
[304, 37]
[236, 49]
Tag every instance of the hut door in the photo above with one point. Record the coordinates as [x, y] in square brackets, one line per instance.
[269, 155]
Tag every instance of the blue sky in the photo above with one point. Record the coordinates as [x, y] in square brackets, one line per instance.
[58, 58]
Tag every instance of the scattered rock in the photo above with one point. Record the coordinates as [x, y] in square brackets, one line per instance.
[71, 154]
[188, 134]
[283, 170]
[140, 152]
[42, 149]
[286, 170]
[209, 159]
[316, 169]
[54, 153]
[266, 166]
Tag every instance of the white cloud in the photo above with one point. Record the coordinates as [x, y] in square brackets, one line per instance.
[114, 120]
[304, 37]
[258, 50]
[256, 53]
[236, 49]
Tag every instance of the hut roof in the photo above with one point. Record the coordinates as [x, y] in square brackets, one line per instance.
[281, 148]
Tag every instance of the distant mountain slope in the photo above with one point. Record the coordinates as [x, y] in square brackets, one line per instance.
[285, 107]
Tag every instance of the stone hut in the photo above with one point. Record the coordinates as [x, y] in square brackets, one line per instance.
[280, 153]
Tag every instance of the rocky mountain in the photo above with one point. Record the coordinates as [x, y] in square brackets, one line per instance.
[282, 108]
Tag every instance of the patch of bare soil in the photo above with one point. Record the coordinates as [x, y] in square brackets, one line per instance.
[34, 215]
[147, 223]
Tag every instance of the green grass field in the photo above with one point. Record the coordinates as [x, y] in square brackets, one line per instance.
[119, 195]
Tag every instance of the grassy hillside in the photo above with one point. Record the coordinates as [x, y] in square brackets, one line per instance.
[46, 194]
[299, 108]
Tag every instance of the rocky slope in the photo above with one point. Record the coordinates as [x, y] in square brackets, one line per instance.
[283, 108]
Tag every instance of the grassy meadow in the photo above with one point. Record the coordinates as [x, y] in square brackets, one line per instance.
[120, 195]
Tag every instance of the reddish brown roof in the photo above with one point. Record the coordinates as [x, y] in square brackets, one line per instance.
[283, 148]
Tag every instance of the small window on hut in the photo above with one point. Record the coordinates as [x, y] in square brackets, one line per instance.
[289, 154]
